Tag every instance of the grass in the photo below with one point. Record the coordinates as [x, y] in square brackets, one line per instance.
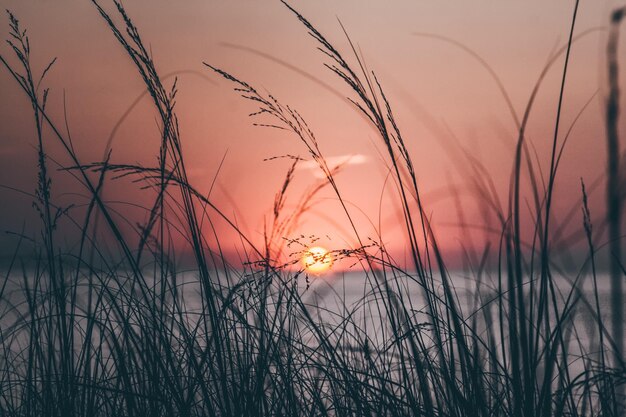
[85, 335]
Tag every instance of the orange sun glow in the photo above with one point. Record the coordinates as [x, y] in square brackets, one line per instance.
[317, 260]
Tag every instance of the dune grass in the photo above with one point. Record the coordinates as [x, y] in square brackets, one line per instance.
[83, 334]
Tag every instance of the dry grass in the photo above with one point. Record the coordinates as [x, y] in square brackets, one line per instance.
[82, 335]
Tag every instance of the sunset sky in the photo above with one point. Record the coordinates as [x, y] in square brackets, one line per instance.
[446, 103]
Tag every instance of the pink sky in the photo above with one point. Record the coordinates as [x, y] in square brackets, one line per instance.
[443, 98]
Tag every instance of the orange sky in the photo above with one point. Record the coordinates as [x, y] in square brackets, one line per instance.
[442, 98]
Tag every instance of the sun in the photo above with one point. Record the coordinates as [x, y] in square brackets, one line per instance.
[317, 260]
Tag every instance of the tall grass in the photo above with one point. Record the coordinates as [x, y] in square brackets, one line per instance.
[614, 194]
[85, 334]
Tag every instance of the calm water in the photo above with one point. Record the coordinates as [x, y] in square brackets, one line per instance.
[339, 294]
[338, 291]
[332, 297]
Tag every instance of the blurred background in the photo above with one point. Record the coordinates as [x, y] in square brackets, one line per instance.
[424, 53]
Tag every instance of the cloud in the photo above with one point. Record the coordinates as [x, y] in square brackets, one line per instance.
[333, 162]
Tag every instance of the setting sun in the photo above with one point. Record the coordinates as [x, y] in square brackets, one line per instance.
[317, 260]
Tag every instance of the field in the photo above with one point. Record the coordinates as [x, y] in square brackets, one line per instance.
[102, 314]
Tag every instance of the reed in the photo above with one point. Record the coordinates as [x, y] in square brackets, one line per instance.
[87, 334]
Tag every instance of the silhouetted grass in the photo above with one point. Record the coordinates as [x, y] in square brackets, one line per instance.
[86, 334]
